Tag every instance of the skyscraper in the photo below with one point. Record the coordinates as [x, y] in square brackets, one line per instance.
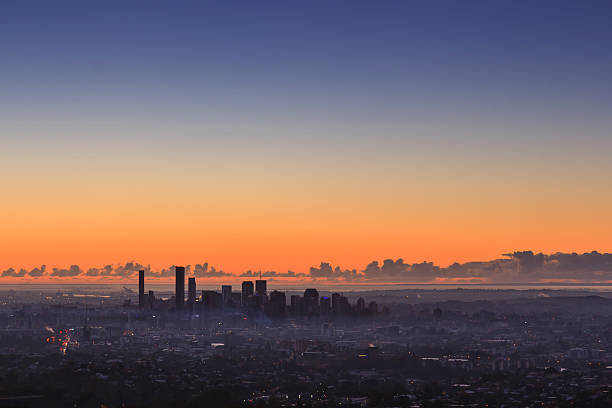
[325, 305]
[247, 292]
[151, 299]
[278, 303]
[191, 290]
[311, 301]
[180, 287]
[141, 290]
[261, 287]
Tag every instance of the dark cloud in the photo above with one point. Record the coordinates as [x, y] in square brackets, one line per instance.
[104, 271]
[271, 274]
[249, 274]
[324, 270]
[126, 270]
[590, 266]
[425, 271]
[203, 271]
[10, 272]
[519, 266]
[200, 270]
[528, 262]
[74, 270]
[37, 272]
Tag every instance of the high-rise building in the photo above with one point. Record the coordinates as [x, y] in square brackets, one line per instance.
[325, 305]
[261, 287]
[151, 299]
[297, 305]
[191, 290]
[311, 301]
[180, 287]
[247, 292]
[277, 304]
[141, 290]
[226, 293]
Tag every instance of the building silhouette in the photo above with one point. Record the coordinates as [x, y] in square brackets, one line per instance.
[311, 301]
[180, 287]
[247, 292]
[297, 305]
[277, 304]
[325, 305]
[261, 287]
[151, 299]
[141, 289]
[191, 290]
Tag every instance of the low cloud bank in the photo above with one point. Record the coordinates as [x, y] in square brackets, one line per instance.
[520, 266]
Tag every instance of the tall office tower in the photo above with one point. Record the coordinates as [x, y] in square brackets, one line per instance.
[311, 301]
[191, 290]
[334, 302]
[261, 287]
[277, 304]
[180, 287]
[151, 299]
[226, 293]
[141, 293]
[297, 305]
[325, 305]
[247, 292]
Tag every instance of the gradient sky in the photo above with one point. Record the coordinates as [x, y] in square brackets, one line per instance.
[275, 135]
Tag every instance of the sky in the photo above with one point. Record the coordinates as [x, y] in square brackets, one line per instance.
[278, 135]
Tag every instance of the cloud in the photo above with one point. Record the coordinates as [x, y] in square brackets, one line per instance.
[37, 272]
[272, 274]
[203, 271]
[126, 270]
[74, 270]
[10, 272]
[324, 270]
[518, 266]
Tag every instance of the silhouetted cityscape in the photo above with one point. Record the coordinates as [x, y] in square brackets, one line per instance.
[251, 301]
